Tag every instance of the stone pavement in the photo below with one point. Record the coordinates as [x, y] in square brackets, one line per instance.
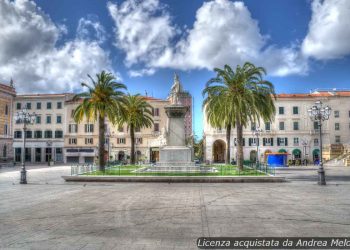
[51, 214]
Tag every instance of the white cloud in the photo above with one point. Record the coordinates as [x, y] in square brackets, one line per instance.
[90, 29]
[143, 29]
[30, 55]
[329, 30]
[224, 32]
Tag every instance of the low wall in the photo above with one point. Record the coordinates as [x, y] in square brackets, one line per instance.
[196, 179]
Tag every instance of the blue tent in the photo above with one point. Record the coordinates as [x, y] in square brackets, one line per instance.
[277, 159]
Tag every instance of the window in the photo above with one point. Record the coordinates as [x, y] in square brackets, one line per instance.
[120, 129]
[48, 119]
[29, 105]
[316, 127]
[5, 129]
[295, 110]
[316, 142]
[58, 134]
[72, 113]
[337, 139]
[253, 142]
[252, 126]
[73, 128]
[295, 125]
[235, 141]
[72, 141]
[156, 112]
[59, 105]
[281, 125]
[38, 119]
[89, 128]
[137, 129]
[38, 134]
[48, 105]
[336, 113]
[156, 127]
[38, 105]
[18, 105]
[296, 141]
[121, 140]
[29, 134]
[18, 134]
[267, 126]
[59, 119]
[6, 109]
[349, 113]
[281, 110]
[48, 134]
[267, 141]
[282, 141]
[138, 140]
[337, 126]
[89, 140]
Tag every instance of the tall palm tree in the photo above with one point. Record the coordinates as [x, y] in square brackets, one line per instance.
[239, 97]
[101, 100]
[137, 115]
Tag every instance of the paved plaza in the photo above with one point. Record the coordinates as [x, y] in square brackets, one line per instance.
[51, 214]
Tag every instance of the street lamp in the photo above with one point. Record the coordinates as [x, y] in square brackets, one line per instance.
[319, 113]
[257, 132]
[26, 118]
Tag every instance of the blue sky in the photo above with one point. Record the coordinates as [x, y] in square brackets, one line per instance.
[303, 44]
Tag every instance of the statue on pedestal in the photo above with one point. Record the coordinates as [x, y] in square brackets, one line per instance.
[175, 91]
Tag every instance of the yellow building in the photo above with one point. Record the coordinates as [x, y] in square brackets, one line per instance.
[7, 94]
[81, 140]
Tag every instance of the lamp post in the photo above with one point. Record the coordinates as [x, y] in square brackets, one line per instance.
[257, 132]
[26, 118]
[319, 113]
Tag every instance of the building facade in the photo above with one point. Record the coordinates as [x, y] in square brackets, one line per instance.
[55, 135]
[81, 140]
[7, 95]
[45, 137]
[291, 131]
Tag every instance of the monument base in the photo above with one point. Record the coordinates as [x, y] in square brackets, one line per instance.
[175, 154]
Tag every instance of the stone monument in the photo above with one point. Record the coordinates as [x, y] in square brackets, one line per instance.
[175, 155]
[175, 150]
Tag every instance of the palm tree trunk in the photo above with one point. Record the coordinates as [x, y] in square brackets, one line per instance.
[228, 146]
[132, 137]
[239, 144]
[101, 143]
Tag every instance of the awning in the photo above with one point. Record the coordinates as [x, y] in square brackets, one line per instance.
[296, 152]
[316, 151]
[282, 150]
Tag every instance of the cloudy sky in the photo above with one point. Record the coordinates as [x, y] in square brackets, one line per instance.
[50, 46]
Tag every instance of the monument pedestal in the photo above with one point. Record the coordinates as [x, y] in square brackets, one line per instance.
[178, 154]
[176, 150]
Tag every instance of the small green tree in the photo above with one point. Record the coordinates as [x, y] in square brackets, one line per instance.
[137, 114]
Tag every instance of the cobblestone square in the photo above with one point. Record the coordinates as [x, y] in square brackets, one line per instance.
[48, 213]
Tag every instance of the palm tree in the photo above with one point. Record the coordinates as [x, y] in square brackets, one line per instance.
[238, 98]
[137, 115]
[101, 100]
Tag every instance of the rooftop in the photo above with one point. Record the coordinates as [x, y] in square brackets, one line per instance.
[316, 94]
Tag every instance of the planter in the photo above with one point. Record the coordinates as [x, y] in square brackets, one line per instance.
[51, 163]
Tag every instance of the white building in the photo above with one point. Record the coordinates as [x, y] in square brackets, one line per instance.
[45, 137]
[291, 130]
